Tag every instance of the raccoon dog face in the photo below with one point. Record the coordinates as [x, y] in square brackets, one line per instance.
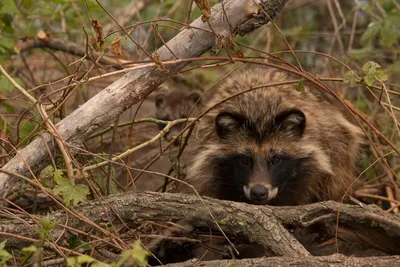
[259, 168]
[273, 144]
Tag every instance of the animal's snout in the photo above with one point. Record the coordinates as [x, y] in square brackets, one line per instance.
[259, 193]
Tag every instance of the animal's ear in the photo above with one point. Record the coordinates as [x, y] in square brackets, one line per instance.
[227, 124]
[193, 97]
[159, 100]
[291, 122]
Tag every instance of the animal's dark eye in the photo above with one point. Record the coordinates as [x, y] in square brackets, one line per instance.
[275, 160]
[245, 161]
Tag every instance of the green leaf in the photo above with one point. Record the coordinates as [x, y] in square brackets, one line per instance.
[300, 86]
[369, 80]
[360, 54]
[370, 67]
[372, 31]
[72, 193]
[8, 6]
[75, 242]
[4, 255]
[380, 76]
[372, 73]
[351, 77]
[46, 228]
[388, 35]
[100, 264]
[5, 85]
[6, 26]
[85, 259]
[393, 19]
[26, 128]
[46, 172]
[58, 175]
[72, 261]
[30, 249]
[9, 108]
[139, 254]
[82, 259]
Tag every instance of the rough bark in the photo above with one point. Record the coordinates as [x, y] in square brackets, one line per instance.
[133, 87]
[260, 224]
[331, 261]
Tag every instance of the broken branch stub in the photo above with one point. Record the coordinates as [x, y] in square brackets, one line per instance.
[132, 88]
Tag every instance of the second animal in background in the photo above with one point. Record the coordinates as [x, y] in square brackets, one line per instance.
[175, 103]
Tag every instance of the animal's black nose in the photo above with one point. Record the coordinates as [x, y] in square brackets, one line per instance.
[259, 192]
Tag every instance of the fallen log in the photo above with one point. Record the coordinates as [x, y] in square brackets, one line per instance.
[259, 224]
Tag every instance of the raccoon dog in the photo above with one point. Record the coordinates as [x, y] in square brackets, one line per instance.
[273, 145]
[175, 103]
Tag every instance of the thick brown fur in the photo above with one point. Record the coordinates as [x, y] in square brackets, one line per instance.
[311, 136]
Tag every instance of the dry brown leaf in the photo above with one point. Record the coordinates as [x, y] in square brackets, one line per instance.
[157, 61]
[99, 33]
[205, 8]
[116, 47]
[239, 54]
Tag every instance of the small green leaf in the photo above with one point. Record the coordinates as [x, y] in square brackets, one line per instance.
[46, 228]
[72, 261]
[4, 255]
[381, 76]
[372, 73]
[5, 84]
[7, 107]
[369, 80]
[72, 193]
[30, 249]
[46, 172]
[372, 31]
[57, 175]
[6, 42]
[388, 35]
[351, 77]
[300, 86]
[370, 66]
[137, 253]
[100, 264]
[360, 54]
[9, 6]
[85, 259]
[75, 241]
